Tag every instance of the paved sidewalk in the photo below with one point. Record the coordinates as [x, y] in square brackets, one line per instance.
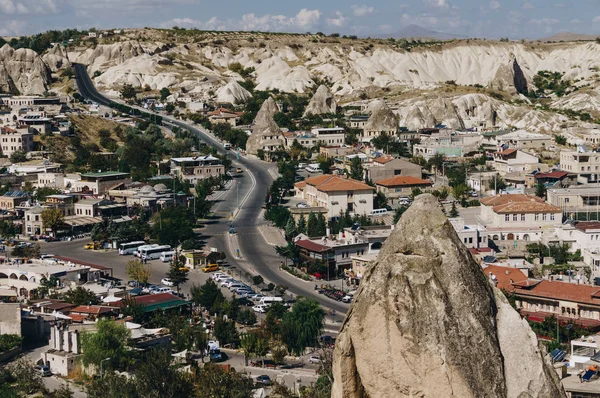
[272, 235]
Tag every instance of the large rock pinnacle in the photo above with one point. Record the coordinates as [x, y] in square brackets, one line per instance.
[426, 322]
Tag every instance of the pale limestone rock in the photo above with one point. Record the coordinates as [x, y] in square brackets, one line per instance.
[322, 102]
[445, 112]
[382, 118]
[56, 58]
[234, 93]
[23, 70]
[266, 135]
[426, 322]
[509, 77]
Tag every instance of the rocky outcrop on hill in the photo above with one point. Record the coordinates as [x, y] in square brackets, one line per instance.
[107, 55]
[56, 58]
[417, 118]
[322, 102]
[382, 118]
[509, 77]
[23, 70]
[266, 135]
[234, 93]
[438, 326]
[445, 112]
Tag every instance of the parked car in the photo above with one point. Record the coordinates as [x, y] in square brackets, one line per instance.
[226, 282]
[44, 371]
[303, 205]
[219, 274]
[167, 282]
[210, 268]
[245, 302]
[314, 359]
[263, 380]
[256, 297]
[261, 309]
[239, 170]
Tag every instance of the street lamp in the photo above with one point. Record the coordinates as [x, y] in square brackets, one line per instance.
[101, 373]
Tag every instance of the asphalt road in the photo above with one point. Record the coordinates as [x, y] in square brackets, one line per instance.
[257, 257]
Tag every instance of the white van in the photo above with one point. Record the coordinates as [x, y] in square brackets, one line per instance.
[161, 290]
[313, 168]
[270, 300]
[378, 212]
[166, 257]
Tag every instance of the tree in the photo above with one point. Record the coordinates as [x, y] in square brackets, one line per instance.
[226, 332]
[43, 192]
[540, 190]
[290, 228]
[497, 183]
[257, 280]
[380, 201]
[459, 191]
[7, 229]
[164, 93]
[321, 229]
[560, 139]
[247, 317]
[138, 272]
[99, 233]
[207, 295]
[214, 381]
[453, 211]
[128, 91]
[27, 379]
[169, 108]
[302, 326]
[80, 296]
[255, 344]
[47, 285]
[177, 273]
[173, 225]
[109, 341]
[112, 385]
[52, 218]
[356, 169]
[18, 156]
[415, 192]
[155, 377]
[436, 162]
[301, 224]
[311, 226]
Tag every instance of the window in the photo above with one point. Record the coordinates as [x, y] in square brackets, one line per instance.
[522, 217]
[552, 217]
[537, 217]
[507, 217]
[515, 217]
[544, 217]
[567, 200]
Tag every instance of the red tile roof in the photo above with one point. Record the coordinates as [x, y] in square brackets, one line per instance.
[540, 316]
[585, 225]
[564, 291]
[331, 183]
[383, 159]
[151, 299]
[78, 317]
[312, 246]
[399, 181]
[507, 152]
[554, 174]
[506, 276]
[92, 309]
[517, 203]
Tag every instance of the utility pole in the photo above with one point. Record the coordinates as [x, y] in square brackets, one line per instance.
[238, 195]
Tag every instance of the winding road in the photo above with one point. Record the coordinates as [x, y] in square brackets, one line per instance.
[250, 189]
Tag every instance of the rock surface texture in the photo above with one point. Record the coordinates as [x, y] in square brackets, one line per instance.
[56, 58]
[382, 118]
[321, 103]
[234, 93]
[509, 77]
[266, 135]
[426, 322]
[23, 71]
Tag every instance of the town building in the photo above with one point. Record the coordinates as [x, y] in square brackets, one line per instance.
[358, 121]
[473, 236]
[360, 264]
[13, 140]
[197, 168]
[447, 143]
[222, 115]
[336, 152]
[585, 164]
[336, 194]
[384, 167]
[334, 136]
[579, 235]
[577, 202]
[400, 187]
[65, 350]
[553, 179]
[50, 180]
[513, 160]
[13, 199]
[99, 183]
[518, 217]
[37, 120]
[522, 139]
[33, 167]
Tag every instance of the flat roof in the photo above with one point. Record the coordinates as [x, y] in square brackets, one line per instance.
[104, 174]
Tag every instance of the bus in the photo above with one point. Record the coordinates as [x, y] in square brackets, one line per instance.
[153, 253]
[138, 253]
[130, 247]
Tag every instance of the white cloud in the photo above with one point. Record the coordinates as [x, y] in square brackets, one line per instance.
[528, 6]
[575, 21]
[339, 20]
[544, 21]
[13, 28]
[362, 10]
[438, 3]
[10, 7]
[305, 19]
[494, 4]
[596, 19]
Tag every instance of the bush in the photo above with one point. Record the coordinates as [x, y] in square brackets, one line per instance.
[9, 341]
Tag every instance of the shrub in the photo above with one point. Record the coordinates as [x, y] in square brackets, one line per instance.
[9, 341]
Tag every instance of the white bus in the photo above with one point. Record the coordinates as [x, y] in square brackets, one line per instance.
[153, 253]
[138, 253]
[130, 247]
[165, 257]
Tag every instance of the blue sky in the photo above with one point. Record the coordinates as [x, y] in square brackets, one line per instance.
[484, 18]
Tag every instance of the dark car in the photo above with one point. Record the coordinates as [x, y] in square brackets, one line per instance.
[217, 356]
[245, 302]
[264, 380]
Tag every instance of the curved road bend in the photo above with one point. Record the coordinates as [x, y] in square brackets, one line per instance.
[257, 255]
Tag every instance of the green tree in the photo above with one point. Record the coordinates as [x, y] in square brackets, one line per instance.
[7, 229]
[311, 225]
[415, 192]
[109, 341]
[453, 211]
[321, 228]
[255, 344]
[43, 192]
[215, 382]
[47, 285]
[128, 91]
[497, 183]
[52, 218]
[357, 171]
[177, 272]
[301, 224]
[225, 332]
[138, 272]
[113, 385]
[247, 317]
[18, 156]
[459, 191]
[257, 280]
[164, 93]
[436, 162]
[170, 108]
[207, 295]
[28, 380]
[302, 326]
[380, 201]
[290, 228]
[540, 190]
[80, 296]
[99, 233]
[172, 225]
[155, 377]
[560, 139]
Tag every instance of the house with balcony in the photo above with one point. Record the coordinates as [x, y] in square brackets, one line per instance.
[400, 186]
[583, 163]
[194, 169]
[577, 201]
[518, 217]
[222, 115]
[336, 194]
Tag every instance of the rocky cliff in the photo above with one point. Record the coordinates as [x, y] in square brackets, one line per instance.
[426, 322]
[509, 77]
[234, 93]
[266, 135]
[23, 70]
[56, 58]
[382, 118]
[322, 102]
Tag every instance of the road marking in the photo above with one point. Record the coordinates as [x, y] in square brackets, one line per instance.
[239, 209]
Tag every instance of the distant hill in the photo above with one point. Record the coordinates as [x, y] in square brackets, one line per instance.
[416, 31]
[570, 36]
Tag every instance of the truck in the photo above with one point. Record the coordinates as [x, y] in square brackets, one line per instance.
[227, 146]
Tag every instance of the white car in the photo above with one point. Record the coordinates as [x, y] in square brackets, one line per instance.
[262, 309]
[226, 282]
[167, 282]
[255, 297]
[314, 359]
[217, 275]
[303, 205]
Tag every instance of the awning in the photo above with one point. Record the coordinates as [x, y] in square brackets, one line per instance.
[80, 221]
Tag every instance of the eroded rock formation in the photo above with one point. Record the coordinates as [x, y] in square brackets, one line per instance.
[426, 322]
[266, 135]
[509, 77]
[23, 71]
[321, 103]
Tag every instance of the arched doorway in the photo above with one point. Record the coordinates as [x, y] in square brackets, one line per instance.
[23, 292]
[495, 237]
[526, 237]
[13, 276]
[23, 278]
[3, 275]
[510, 237]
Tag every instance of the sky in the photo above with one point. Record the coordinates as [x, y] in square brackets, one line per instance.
[516, 19]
